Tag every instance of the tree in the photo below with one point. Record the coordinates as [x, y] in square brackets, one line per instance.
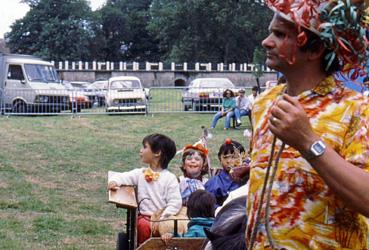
[3, 47]
[258, 61]
[124, 26]
[52, 29]
[208, 30]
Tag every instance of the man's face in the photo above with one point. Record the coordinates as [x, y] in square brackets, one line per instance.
[280, 45]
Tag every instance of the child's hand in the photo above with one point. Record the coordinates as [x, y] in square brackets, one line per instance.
[155, 228]
[113, 186]
[166, 237]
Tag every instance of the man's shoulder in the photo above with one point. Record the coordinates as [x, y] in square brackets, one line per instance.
[270, 93]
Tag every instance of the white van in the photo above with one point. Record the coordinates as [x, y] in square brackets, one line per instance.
[30, 85]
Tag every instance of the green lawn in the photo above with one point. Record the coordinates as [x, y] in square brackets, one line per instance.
[53, 174]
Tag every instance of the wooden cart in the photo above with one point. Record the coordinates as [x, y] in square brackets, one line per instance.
[125, 197]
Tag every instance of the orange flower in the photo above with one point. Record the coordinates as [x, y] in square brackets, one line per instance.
[151, 175]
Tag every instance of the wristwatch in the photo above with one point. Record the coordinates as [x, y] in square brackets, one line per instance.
[316, 149]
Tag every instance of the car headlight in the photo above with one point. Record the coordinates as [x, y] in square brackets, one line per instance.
[115, 101]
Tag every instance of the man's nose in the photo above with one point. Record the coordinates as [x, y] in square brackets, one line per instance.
[267, 43]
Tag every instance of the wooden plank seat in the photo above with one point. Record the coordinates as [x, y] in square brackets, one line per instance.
[156, 243]
[124, 197]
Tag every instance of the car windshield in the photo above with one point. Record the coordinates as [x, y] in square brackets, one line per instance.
[41, 73]
[211, 83]
[98, 85]
[125, 84]
[216, 84]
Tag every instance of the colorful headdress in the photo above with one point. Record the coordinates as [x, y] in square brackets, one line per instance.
[198, 147]
[341, 25]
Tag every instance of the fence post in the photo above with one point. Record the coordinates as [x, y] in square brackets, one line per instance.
[60, 65]
[80, 65]
[148, 66]
[66, 64]
[197, 66]
[86, 65]
[94, 65]
[124, 66]
[160, 66]
[185, 66]
[136, 66]
[107, 65]
[172, 66]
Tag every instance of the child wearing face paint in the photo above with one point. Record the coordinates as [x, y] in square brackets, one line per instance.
[194, 167]
[232, 157]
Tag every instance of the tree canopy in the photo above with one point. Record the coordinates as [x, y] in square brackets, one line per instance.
[142, 30]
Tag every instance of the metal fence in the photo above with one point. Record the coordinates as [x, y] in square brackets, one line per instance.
[133, 101]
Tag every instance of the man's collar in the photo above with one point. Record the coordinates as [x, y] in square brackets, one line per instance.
[326, 86]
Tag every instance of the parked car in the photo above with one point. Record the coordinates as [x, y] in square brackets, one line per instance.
[78, 100]
[96, 92]
[125, 93]
[205, 94]
[79, 84]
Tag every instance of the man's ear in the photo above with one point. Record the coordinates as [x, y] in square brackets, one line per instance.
[316, 54]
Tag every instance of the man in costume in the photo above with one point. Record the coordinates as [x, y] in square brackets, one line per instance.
[309, 179]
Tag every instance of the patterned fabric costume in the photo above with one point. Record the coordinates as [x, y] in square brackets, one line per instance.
[304, 211]
[187, 186]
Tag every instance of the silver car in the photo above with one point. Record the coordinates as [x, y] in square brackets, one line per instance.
[205, 94]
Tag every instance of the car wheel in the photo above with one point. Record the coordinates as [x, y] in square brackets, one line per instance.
[19, 107]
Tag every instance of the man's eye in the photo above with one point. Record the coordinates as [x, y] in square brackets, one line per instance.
[279, 34]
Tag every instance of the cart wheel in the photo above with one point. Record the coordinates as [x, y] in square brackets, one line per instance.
[122, 241]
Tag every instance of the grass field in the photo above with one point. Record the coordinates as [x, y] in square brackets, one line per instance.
[53, 174]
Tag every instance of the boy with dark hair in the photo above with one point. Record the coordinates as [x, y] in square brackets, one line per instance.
[157, 188]
[231, 156]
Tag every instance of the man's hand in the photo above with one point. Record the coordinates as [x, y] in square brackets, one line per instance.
[113, 186]
[238, 173]
[166, 237]
[289, 122]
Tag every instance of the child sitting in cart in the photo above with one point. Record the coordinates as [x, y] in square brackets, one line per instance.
[200, 211]
[194, 167]
[232, 157]
[157, 188]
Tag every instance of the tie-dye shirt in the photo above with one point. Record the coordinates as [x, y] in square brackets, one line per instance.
[304, 211]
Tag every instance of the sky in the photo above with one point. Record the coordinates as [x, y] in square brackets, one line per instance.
[11, 10]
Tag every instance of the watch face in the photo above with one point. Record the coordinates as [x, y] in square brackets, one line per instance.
[318, 148]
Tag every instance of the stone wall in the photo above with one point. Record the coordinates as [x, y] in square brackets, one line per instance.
[166, 78]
